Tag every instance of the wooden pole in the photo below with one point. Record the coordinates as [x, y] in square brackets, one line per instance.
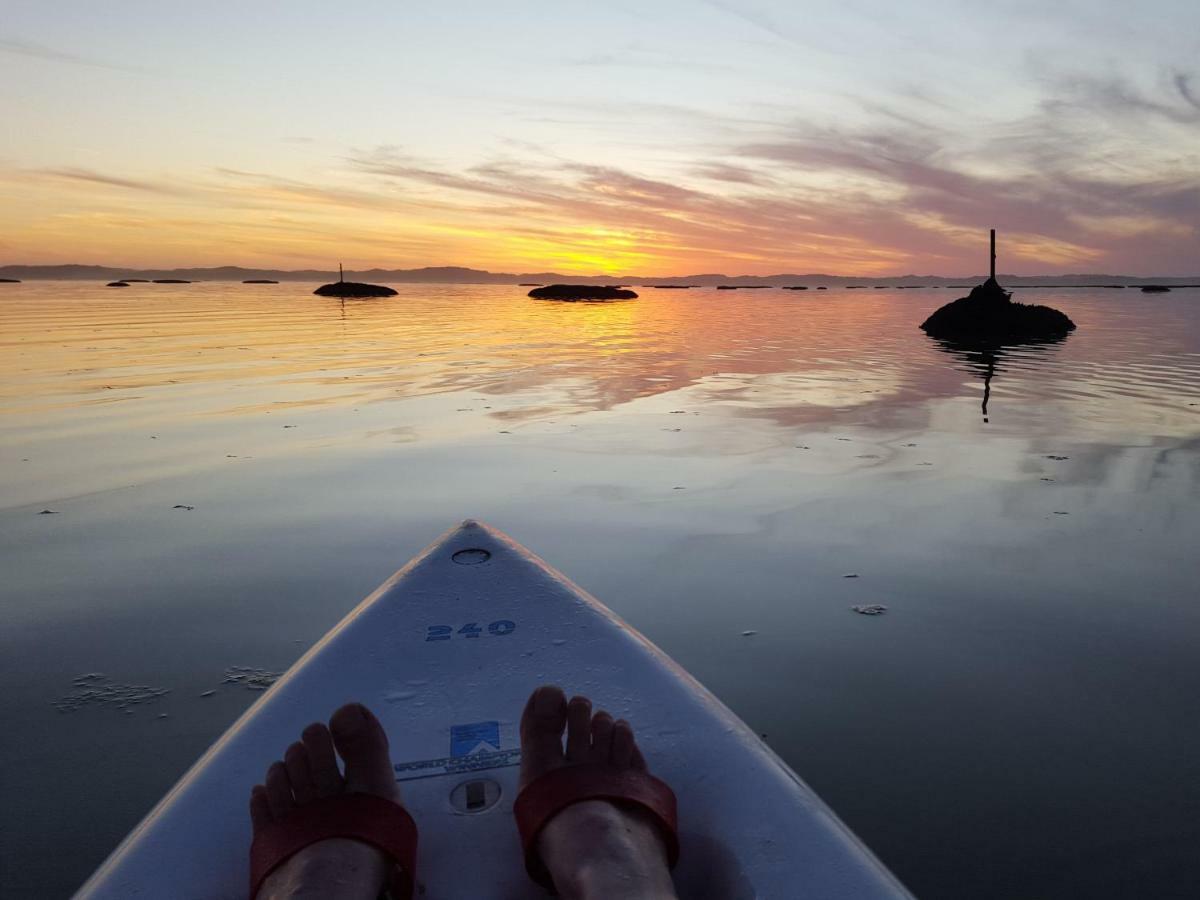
[993, 254]
[342, 277]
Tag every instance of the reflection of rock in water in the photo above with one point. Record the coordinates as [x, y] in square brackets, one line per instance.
[986, 358]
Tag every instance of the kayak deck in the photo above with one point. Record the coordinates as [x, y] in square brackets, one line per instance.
[445, 653]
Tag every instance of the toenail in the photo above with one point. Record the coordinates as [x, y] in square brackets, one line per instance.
[547, 702]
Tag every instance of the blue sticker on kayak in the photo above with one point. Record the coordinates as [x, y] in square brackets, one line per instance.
[478, 737]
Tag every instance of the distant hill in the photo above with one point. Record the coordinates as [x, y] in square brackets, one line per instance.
[463, 275]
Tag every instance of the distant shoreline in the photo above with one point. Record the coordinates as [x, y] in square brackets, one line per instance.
[461, 275]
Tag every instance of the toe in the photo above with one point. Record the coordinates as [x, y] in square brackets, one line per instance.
[637, 761]
[602, 737]
[363, 744]
[295, 760]
[623, 744]
[260, 809]
[579, 734]
[322, 761]
[542, 725]
[279, 790]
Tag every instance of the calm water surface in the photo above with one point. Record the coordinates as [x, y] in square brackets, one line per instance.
[1021, 723]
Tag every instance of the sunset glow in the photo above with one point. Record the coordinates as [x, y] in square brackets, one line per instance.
[734, 137]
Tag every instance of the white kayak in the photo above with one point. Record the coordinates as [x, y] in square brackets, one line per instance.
[446, 653]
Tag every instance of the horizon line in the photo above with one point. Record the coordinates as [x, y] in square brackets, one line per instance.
[38, 272]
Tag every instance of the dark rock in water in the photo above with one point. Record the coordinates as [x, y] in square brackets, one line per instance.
[798, 287]
[1154, 288]
[726, 287]
[855, 287]
[582, 292]
[530, 284]
[117, 284]
[171, 281]
[822, 288]
[354, 289]
[260, 281]
[10, 280]
[988, 314]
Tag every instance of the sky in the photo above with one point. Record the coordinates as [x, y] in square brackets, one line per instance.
[653, 138]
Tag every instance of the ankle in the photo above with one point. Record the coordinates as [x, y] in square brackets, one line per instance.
[595, 850]
[357, 868]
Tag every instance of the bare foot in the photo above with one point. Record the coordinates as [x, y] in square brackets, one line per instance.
[592, 849]
[340, 867]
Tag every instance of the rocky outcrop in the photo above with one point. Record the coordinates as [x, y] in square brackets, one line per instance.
[1154, 288]
[10, 280]
[117, 284]
[988, 314]
[570, 292]
[354, 289]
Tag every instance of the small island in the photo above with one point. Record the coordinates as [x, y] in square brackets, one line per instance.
[726, 287]
[117, 284]
[798, 287]
[1154, 289]
[529, 284]
[988, 314]
[354, 289]
[260, 281]
[571, 292]
[671, 287]
[10, 280]
[342, 288]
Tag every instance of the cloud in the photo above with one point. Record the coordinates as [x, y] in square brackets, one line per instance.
[718, 171]
[1093, 173]
[1115, 95]
[1183, 84]
[17, 47]
[91, 177]
[905, 193]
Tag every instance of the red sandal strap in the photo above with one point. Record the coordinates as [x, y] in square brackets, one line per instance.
[551, 793]
[362, 817]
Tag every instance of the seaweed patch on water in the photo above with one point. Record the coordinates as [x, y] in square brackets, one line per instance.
[253, 679]
[97, 689]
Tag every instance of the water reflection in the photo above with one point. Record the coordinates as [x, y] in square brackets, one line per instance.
[986, 358]
[705, 462]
